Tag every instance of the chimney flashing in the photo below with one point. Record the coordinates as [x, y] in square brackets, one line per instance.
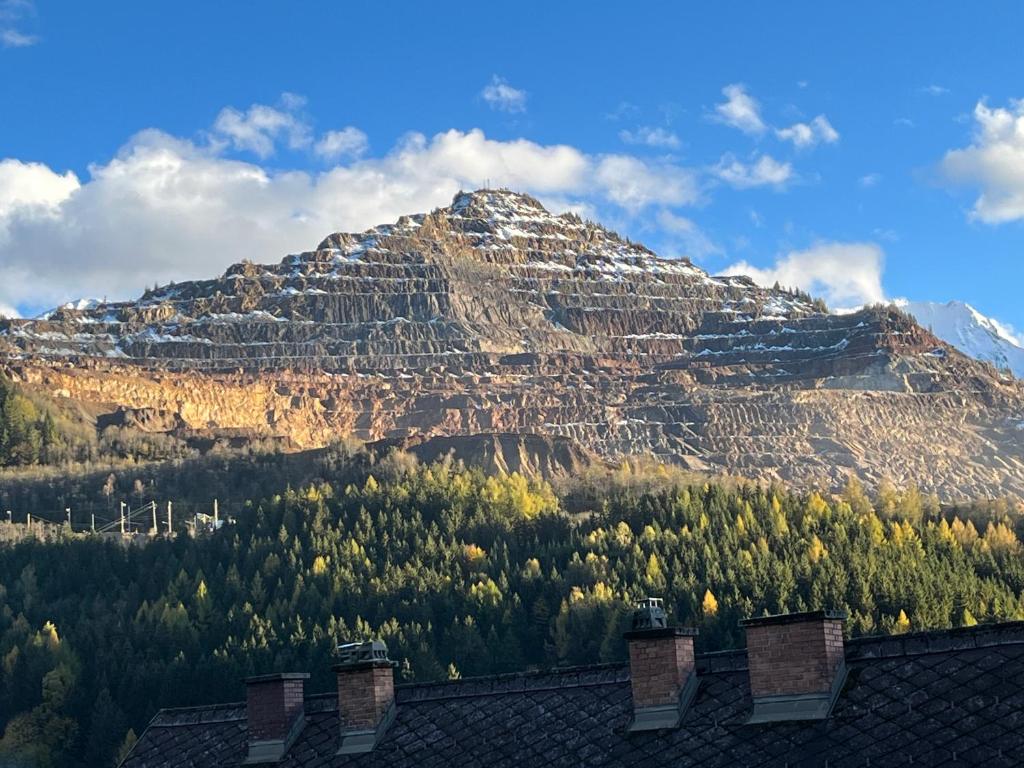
[269, 751]
[801, 706]
[657, 718]
[357, 742]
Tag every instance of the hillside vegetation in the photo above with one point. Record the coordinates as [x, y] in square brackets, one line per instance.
[461, 574]
[36, 431]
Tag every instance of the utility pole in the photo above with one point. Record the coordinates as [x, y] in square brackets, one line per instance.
[216, 513]
[10, 518]
[152, 505]
[29, 518]
[122, 518]
[169, 528]
[92, 522]
[68, 510]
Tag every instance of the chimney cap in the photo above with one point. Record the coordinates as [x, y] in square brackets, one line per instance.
[650, 614]
[371, 652]
[275, 676]
[793, 618]
[650, 621]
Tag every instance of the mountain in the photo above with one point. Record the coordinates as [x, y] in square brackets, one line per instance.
[493, 317]
[968, 330]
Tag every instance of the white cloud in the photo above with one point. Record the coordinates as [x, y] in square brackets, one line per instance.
[634, 184]
[32, 186]
[869, 180]
[12, 38]
[12, 14]
[348, 142]
[740, 110]
[903, 122]
[292, 101]
[168, 209]
[818, 131]
[502, 96]
[258, 129]
[994, 162]
[844, 274]
[690, 238]
[651, 137]
[935, 90]
[766, 170]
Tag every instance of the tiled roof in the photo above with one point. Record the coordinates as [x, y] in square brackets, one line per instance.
[942, 698]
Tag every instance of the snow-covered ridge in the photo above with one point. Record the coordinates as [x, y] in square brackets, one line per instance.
[961, 325]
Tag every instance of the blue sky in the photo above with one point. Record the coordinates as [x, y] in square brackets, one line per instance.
[864, 151]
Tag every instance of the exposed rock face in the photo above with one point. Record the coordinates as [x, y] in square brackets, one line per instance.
[495, 317]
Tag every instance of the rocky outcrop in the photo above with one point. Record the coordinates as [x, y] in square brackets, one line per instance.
[496, 320]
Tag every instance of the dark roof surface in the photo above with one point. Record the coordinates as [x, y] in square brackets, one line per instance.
[941, 698]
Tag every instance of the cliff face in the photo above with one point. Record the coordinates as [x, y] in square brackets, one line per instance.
[494, 317]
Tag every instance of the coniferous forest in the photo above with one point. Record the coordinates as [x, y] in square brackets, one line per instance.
[461, 574]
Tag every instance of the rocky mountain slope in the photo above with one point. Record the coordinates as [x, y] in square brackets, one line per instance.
[493, 317]
[961, 325]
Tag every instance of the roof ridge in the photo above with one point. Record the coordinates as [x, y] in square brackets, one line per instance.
[526, 673]
[937, 640]
[556, 678]
[195, 707]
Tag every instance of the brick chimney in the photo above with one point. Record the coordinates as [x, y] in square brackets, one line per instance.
[661, 668]
[366, 695]
[796, 663]
[275, 712]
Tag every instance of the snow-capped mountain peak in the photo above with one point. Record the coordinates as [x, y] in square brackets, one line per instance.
[973, 333]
